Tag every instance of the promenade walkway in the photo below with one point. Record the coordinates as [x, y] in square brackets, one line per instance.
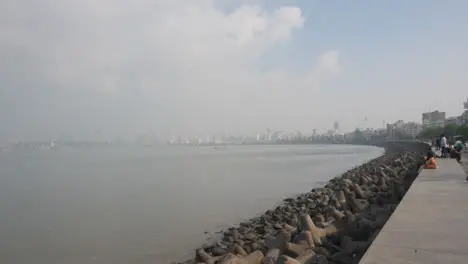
[430, 225]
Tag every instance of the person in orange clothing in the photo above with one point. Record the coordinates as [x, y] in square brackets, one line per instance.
[431, 163]
[430, 160]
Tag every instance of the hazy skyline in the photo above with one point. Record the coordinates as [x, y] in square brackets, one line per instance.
[121, 68]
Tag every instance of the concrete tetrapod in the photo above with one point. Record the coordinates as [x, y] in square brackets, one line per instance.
[272, 256]
[255, 257]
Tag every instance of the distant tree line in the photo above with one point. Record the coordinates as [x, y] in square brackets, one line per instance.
[448, 130]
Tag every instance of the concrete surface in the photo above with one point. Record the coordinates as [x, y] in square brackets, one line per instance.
[428, 225]
[464, 162]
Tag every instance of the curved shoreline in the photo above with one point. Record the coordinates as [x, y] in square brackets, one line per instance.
[332, 224]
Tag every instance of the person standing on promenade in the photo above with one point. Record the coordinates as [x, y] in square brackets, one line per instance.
[437, 143]
[443, 145]
[458, 148]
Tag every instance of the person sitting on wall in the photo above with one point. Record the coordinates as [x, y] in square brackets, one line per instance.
[431, 163]
[430, 160]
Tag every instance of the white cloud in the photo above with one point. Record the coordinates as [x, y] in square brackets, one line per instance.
[201, 59]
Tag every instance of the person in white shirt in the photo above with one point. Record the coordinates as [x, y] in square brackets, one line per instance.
[443, 145]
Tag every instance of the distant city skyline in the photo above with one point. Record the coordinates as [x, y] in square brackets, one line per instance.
[118, 69]
[433, 118]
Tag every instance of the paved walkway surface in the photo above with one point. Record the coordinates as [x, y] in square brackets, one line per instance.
[430, 225]
[464, 162]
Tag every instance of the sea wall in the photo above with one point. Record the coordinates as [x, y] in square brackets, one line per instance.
[333, 224]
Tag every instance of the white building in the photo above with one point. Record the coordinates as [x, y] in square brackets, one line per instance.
[455, 120]
[401, 128]
[412, 129]
[433, 119]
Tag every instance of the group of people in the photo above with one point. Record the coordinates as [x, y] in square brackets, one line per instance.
[448, 149]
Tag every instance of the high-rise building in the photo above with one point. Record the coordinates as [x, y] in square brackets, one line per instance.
[433, 119]
[464, 116]
[267, 134]
[336, 126]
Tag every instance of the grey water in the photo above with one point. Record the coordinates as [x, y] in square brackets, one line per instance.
[144, 205]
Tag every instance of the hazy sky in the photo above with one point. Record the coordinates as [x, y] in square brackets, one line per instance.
[106, 68]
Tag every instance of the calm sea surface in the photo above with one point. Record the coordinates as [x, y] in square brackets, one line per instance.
[138, 205]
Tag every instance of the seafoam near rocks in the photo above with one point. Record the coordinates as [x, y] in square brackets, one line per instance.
[333, 224]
